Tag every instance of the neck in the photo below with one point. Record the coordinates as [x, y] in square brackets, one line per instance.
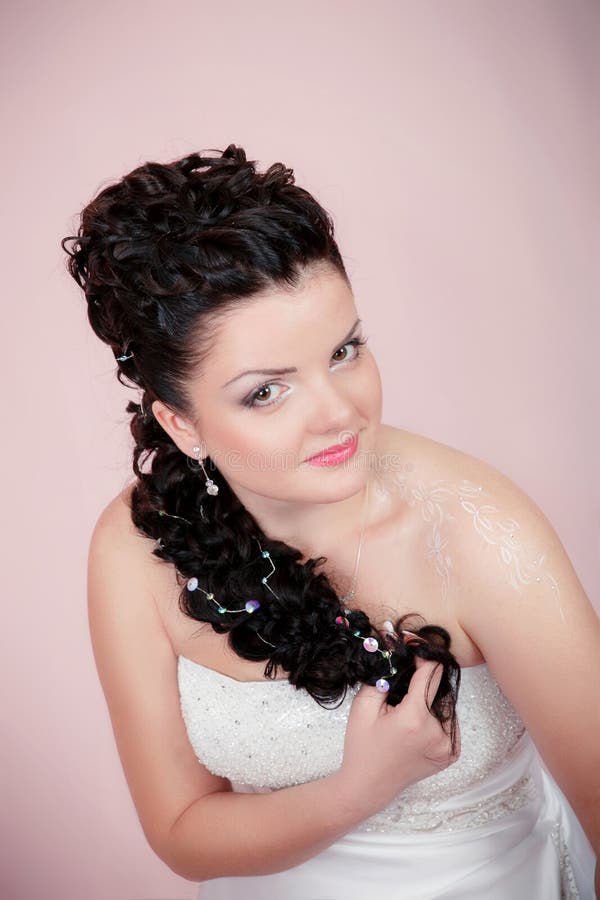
[310, 527]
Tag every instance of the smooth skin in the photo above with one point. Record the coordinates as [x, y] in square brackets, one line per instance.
[547, 664]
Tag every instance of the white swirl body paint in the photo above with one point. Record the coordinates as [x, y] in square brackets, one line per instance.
[434, 501]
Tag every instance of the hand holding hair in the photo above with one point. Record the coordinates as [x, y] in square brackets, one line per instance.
[387, 748]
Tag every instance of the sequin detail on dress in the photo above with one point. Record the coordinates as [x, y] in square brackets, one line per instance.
[238, 730]
[568, 887]
[400, 818]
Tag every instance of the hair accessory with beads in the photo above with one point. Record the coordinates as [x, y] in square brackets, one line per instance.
[371, 645]
[161, 512]
[124, 356]
[248, 607]
[265, 579]
[251, 605]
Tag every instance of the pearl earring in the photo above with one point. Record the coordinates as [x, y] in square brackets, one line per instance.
[211, 487]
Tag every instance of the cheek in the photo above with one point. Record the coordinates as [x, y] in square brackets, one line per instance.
[248, 433]
[230, 429]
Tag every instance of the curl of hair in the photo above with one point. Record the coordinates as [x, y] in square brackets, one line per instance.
[160, 256]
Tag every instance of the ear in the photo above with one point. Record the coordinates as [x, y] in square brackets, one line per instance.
[182, 432]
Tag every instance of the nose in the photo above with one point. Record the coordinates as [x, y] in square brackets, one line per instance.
[333, 410]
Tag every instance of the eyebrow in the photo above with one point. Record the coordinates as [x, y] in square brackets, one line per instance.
[292, 368]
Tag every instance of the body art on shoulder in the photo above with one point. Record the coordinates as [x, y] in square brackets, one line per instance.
[432, 500]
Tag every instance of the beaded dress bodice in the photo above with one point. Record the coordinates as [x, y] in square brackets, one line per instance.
[266, 735]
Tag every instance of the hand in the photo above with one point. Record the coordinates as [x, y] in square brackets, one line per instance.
[387, 748]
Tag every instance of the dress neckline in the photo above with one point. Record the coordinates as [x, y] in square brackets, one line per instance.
[193, 662]
[228, 677]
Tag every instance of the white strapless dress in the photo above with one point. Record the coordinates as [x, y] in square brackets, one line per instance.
[492, 826]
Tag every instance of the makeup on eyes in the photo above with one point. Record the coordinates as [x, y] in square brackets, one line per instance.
[277, 372]
[250, 400]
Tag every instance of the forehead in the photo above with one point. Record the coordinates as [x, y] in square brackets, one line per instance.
[272, 329]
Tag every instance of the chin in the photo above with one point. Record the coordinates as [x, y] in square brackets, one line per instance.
[333, 488]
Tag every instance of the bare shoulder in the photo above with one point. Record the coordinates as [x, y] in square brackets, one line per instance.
[490, 539]
[520, 601]
[445, 478]
[137, 667]
[491, 518]
[115, 520]
[427, 459]
[500, 534]
[446, 489]
[506, 555]
[128, 586]
[474, 522]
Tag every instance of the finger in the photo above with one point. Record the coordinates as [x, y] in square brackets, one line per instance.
[367, 703]
[425, 681]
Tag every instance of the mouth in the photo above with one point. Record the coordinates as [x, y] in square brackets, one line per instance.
[335, 453]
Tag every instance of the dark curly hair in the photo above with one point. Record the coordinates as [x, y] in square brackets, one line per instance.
[160, 255]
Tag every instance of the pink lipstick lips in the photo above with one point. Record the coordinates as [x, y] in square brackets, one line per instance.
[332, 456]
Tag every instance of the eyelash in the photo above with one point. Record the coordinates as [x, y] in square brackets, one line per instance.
[250, 401]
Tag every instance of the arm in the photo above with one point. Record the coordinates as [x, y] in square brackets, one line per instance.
[523, 605]
[190, 817]
[257, 834]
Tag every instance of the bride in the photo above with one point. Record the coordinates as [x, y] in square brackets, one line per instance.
[338, 656]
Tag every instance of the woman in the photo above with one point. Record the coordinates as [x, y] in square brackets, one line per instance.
[338, 767]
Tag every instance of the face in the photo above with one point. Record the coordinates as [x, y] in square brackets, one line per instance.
[260, 428]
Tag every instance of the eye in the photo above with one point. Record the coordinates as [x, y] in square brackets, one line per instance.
[263, 393]
[357, 343]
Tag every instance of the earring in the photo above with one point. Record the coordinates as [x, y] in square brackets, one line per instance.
[211, 487]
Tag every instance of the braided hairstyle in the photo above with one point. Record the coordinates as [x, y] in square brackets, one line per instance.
[159, 255]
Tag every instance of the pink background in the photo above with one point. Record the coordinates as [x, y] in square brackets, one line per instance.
[455, 145]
